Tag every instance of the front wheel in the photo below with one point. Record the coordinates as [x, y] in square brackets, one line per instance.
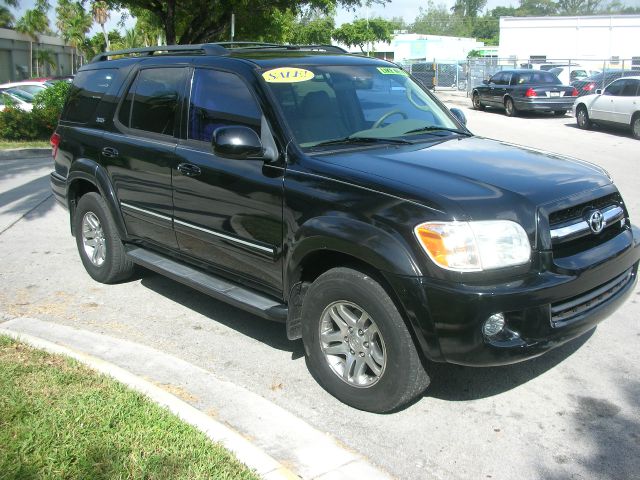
[477, 105]
[510, 108]
[99, 244]
[582, 117]
[357, 345]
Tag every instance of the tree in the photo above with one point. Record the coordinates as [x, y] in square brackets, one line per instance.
[33, 23]
[362, 32]
[468, 8]
[73, 22]
[438, 20]
[100, 12]
[197, 21]
[46, 59]
[6, 17]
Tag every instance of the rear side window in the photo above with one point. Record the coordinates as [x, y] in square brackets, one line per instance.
[219, 99]
[535, 78]
[85, 94]
[630, 88]
[152, 101]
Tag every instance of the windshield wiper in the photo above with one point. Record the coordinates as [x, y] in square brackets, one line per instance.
[434, 128]
[352, 140]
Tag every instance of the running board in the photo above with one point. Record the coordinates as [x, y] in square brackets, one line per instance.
[209, 284]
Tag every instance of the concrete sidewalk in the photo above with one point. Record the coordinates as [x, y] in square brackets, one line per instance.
[267, 438]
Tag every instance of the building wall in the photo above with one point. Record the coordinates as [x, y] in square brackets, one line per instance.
[14, 56]
[594, 38]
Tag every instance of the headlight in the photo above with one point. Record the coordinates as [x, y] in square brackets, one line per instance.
[474, 246]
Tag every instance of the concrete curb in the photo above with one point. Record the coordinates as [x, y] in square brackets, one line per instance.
[16, 153]
[276, 437]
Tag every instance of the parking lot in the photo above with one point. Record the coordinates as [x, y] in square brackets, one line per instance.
[573, 413]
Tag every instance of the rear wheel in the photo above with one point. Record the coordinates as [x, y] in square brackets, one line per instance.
[635, 126]
[99, 244]
[559, 113]
[476, 102]
[510, 108]
[357, 345]
[582, 117]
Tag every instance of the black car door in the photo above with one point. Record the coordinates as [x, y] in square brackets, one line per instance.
[139, 153]
[228, 212]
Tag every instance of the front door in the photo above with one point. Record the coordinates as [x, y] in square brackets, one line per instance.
[228, 212]
[603, 107]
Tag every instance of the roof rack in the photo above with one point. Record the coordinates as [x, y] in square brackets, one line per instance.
[203, 49]
[220, 48]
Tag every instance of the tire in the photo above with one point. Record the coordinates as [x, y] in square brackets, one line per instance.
[391, 372]
[635, 126]
[559, 113]
[510, 108]
[582, 118]
[99, 245]
[477, 104]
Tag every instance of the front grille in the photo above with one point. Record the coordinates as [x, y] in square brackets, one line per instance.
[577, 211]
[563, 313]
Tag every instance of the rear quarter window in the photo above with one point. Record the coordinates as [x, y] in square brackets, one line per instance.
[88, 88]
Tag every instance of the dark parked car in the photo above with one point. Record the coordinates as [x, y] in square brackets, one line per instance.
[524, 90]
[335, 194]
[588, 86]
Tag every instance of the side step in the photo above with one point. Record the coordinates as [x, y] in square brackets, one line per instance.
[209, 284]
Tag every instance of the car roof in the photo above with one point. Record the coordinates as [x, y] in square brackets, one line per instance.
[521, 70]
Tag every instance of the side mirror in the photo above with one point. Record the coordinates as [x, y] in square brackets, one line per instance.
[459, 114]
[236, 142]
[598, 91]
[486, 82]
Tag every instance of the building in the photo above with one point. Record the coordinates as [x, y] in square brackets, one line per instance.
[14, 56]
[589, 39]
[413, 46]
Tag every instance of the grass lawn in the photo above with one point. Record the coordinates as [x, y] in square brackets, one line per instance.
[60, 420]
[8, 144]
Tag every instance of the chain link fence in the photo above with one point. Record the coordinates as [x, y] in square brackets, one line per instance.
[465, 75]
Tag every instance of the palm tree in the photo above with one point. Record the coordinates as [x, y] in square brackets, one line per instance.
[32, 23]
[46, 58]
[100, 12]
[74, 23]
[6, 17]
[131, 39]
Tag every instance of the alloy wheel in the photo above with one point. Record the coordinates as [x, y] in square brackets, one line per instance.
[352, 344]
[93, 239]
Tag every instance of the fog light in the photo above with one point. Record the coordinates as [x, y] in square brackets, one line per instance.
[493, 325]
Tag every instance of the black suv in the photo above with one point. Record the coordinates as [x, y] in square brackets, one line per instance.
[333, 193]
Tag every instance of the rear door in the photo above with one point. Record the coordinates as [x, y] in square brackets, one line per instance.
[628, 102]
[228, 212]
[139, 153]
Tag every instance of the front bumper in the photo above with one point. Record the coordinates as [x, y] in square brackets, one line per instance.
[447, 317]
[544, 104]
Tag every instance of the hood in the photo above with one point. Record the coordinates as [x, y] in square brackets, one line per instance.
[484, 178]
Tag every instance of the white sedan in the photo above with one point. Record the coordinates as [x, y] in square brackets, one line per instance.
[18, 98]
[617, 105]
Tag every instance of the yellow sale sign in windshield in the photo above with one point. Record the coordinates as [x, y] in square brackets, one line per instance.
[287, 75]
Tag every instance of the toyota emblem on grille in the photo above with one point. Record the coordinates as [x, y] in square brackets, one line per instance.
[596, 221]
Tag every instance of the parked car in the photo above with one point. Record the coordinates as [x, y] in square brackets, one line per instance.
[617, 105]
[524, 90]
[17, 97]
[32, 88]
[334, 193]
[587, 86]
[570, 73]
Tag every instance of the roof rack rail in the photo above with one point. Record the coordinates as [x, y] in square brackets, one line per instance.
[203, 48]
[320, 48]
[234, 45]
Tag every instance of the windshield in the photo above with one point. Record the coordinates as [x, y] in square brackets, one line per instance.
[323, 104]
[22, 95]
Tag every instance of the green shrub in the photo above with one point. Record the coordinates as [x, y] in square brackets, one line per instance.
[48, 105]
[16, 124]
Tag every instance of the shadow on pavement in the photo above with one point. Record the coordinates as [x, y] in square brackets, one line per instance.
[270, 333]
[23, 197]
[618, 132]
[458, 383]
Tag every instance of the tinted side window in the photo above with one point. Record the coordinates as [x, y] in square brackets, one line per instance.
[152, 100]
[86, 92]
[630, 88]
[219, 99]
[615, 88]
[498, 78]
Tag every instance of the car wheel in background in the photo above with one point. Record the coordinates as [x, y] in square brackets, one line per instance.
[476, 102]
[582, 118]
[510, 108]
[357, 345]
[100, 247]
[635, 126]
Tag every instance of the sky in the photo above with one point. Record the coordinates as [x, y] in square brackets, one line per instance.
[408, 9]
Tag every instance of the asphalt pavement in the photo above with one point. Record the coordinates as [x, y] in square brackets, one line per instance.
[572, 413]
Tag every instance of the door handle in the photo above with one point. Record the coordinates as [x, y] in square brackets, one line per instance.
[189, 169]
[110, 152]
